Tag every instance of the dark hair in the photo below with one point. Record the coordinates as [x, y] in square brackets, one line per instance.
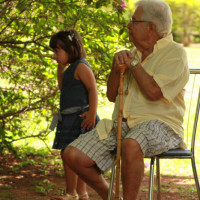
[71, 42]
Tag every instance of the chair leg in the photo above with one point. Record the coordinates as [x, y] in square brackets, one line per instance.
[110, 192]
[151, 176]
[158, 178]
[195, 175]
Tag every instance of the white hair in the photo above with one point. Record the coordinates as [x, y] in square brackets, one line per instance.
[158, 12]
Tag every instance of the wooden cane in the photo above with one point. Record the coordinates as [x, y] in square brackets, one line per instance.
[119, 134]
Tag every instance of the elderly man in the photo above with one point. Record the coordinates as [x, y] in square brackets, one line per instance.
[153, 106]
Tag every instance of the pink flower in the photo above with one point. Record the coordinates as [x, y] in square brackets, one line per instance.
[147, 165]
[5, 68]
[123, 5]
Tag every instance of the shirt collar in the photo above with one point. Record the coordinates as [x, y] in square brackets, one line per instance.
[163, 42]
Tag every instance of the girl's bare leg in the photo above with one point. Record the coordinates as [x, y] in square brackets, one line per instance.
[82, 189]
[71, 178]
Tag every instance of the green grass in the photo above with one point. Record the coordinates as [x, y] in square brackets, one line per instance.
[193, 53]
[105, 108]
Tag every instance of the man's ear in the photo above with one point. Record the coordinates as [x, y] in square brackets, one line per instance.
[152, 27]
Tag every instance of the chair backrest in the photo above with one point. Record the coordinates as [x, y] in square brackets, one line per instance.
[192, 100]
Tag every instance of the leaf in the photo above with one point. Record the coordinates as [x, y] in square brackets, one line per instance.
[89, 2]
[121, 31]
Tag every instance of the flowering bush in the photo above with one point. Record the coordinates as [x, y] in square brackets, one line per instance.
[123, 5]
[119, 4]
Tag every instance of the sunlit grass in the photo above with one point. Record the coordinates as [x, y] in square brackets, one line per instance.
[193, 53]
[105, 108]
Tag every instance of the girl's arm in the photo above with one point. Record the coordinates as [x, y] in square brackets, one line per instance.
[113, 83]
[60, 71]
[85, 74]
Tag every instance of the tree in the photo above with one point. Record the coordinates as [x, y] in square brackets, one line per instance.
[186, 15]
[28, 90]
[186, 19]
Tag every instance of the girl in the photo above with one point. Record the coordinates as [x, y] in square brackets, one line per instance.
[78, 101]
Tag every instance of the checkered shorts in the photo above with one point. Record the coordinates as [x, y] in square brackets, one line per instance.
[154, 137]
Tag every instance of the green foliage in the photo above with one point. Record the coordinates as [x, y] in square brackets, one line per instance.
[186, 17]
[43, 187]
[28, 91]
[28, 87]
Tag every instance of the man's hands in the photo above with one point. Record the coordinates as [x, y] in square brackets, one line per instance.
[122, 57]
[121, 63]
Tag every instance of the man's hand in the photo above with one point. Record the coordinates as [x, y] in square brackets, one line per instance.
[121, 60]
[123, 57]
[122, 68]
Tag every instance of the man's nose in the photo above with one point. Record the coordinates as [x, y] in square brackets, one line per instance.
[128, 25]
[54, 56]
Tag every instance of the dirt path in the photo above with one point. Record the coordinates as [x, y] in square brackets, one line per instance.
[39, 181]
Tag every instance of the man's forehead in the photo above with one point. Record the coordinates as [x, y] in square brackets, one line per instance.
[137, 14]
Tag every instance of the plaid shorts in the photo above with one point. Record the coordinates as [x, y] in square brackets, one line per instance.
[154, 137]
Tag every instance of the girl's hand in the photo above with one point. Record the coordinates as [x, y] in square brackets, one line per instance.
[89, 120]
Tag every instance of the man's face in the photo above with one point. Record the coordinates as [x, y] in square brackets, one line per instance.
[137, 28]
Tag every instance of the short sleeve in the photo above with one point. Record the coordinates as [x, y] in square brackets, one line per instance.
[172, 74]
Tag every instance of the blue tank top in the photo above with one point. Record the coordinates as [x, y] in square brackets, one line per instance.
[73, 92]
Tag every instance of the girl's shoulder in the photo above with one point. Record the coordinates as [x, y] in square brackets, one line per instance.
[83, 60]
[83, 69]
[78, 62]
